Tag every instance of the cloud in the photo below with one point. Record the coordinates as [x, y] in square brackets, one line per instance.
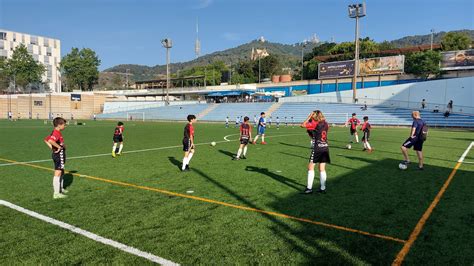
[201, 4]
[231, 36]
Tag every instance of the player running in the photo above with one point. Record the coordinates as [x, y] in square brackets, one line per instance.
[319, 152]
[55, 142]
[118, 139]
[261, 129]
[415, 140]
[353, 122]
[188, 142]
[245, 137]
[366, 127]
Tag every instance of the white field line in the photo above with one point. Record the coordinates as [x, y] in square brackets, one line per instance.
[97, 238]
[134, 151]
[466, 152]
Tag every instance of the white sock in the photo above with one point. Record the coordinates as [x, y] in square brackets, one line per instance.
[310, 179]
[120, 148]
[322, 179]
[190, 155]
[56, 184]
[357, 138]
[185, 162]
[263, 138]
[239, 153]
[255, 140]
[368, 146]
[114, 147]
[365, 145]
[245, 151]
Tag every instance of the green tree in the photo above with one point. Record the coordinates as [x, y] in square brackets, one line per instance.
[346, 50]
[423, 64]
[269, 66]
[245, 72]
[322, 49]
[311, 69]
[4, 79]
[455, 41]
[23, 68]
[81, 68]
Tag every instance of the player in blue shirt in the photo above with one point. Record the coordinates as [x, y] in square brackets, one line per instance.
[415, 140]
[261, 129]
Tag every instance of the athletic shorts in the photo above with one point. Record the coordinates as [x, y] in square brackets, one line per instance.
[416, 143]
[187, 146]
[319, 156]
[244, 141]
[352, 131]
[59, 160]
[261, 130]
[118, 138]
[366, 136]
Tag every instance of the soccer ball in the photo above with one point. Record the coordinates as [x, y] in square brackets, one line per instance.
[402, 166]
[348, 146]
[213, 143]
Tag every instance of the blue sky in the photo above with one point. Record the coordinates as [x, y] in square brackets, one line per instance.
[128, 31]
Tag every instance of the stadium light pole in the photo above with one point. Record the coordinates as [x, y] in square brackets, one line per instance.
[167, 43]
[356, 11]
[302, 58]
[431, 41]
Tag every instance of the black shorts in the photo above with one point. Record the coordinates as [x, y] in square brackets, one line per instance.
[59, 160]
[187, 146]
[352, 130]
[244, 141]
[319, 156]
[118, 138]
[366, 136]
[416, 143]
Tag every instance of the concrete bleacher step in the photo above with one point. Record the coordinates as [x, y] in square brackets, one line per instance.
[207, 110]
[273, 108]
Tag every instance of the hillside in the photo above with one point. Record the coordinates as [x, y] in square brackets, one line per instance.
[289, 54]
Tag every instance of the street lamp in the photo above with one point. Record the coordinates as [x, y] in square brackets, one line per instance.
[261, 40]
[167, 43]
[302, 57]
[431, 41]
[356, 11]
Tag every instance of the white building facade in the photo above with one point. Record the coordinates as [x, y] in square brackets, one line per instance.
[43, 49]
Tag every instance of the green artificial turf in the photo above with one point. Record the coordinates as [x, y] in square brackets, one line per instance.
[365, 192]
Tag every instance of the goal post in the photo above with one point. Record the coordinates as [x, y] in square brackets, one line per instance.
[336, 118]
[136, 116]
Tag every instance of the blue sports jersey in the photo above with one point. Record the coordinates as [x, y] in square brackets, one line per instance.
[418, 124]
[261, 122]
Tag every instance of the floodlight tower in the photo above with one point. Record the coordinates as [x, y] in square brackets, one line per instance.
[167, 43]
[356, 11]
[197, 44]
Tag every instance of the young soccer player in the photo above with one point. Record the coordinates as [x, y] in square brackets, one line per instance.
[319, 152]
[188, 142]
[366, 127]
[227, 122]
[55, 142]
[415, 140]
[261, 129]
[245, 137]
[237, 121]
[118, 139]
[255, 120]
[269, 121]
[353, 122]
[278, 122]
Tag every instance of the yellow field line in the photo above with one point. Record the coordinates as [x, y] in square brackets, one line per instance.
[421, 223]
[333, 226]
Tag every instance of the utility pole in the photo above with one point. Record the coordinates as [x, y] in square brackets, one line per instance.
[167, 43]
[431, 41]
[356, 11]
[302, 58]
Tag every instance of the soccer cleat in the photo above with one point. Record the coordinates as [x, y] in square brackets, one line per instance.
[370, 150]
[364, 149]
[59, 196]
[264, 143]
[244, 157]
[321, 191]
[113, 154]
[421, 168]
[64, 191]
[406, 162]
[235, 158]
[307, 191]
[119, 154]
[254, 142]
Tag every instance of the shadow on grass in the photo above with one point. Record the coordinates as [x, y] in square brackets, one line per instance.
[68, 178]
[227, 153]
[175, 162]
[286, 181]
